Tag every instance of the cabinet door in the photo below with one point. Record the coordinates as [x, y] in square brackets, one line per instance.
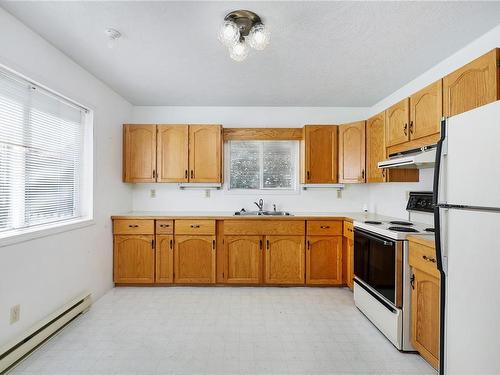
[172, 153]
[139, 153]
[352, 152]
[164, 259]
[320, 154]
[425, 315]
[473, 85]
[194, 259]
[396, 123]
[324, 260]
[244, 263]
[285, 260]
[349, 262]
[133, 259]
[375, 147]
[426, 110]
[205, 153]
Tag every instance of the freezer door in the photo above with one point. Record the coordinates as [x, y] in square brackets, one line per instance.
[470, 173]
[472, 339]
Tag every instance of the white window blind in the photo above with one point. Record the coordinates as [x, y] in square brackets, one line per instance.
[263, 165]
[41, 150]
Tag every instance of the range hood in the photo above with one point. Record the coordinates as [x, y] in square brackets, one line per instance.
[423, 157]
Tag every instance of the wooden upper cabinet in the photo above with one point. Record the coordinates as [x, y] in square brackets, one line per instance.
[133, 259]
[285, 260]
[194, 259]
[320, 154]
[473, 85]
[426, 110]
[352, 152]
[139, 153]
[172, 153]
[396, 123]
[205, 153]
[324, 260]
[375, 147]
[243, 257]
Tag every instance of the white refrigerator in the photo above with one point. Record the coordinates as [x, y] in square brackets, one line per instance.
[467, 221]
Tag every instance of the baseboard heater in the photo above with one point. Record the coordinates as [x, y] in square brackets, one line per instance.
[16, 350]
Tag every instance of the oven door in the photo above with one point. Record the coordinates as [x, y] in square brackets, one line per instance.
[378, 264]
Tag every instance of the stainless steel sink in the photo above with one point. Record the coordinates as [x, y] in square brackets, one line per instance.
[262, 213]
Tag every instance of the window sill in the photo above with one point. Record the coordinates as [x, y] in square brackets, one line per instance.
[28, 234]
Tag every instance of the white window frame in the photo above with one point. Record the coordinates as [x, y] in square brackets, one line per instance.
[295, 190]
[86, 217]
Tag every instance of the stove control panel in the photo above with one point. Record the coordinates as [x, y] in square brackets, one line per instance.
[420, 201]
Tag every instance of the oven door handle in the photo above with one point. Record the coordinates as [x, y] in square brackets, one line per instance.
[378, 239]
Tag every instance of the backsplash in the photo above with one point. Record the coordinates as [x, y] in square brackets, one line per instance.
[387, 199]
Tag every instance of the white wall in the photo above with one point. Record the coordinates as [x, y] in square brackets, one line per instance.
[44, 273]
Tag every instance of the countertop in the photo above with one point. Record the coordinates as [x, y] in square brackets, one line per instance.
[224, 215]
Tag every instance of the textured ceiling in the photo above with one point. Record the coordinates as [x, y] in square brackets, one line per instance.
[321, 53]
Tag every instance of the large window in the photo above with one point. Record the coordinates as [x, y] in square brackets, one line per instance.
[263, 165]
[42, 164]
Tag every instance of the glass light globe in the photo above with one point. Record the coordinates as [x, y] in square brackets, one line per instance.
[258, 37]
[229, 33]
[239, 51]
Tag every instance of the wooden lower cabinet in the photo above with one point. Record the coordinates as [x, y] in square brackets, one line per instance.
[194, 259]
[243, 259]
[134, 259]
[425, 315]
[324, 260]
[349, 262]
[164, 259]
[285, 260]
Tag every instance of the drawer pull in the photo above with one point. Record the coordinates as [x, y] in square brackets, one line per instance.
[194, 225]
[133, 226]
[432, 260]
[325, 227]
[164, 225]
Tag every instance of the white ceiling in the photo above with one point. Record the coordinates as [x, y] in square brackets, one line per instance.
[321, 53]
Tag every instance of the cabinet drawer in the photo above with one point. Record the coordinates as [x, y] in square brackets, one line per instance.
[195, 227]
[348, 230]
[423, 258]
[164, 226]
[133, 226]
[264, 227]
[324, 227]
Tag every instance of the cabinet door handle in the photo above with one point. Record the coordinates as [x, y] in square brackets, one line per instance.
[406, 129]
[194, 226]
[260, 244]
[308, 245]
[213, 244]
[186, 174]
[383, 173]
[154, 173]
[192, 173]
[171, 244]
[324, 226]
[412, 281]
[308, 175]
[363, 174]
[432, 260]
[411, 127]
[153, 244]
[267, 244]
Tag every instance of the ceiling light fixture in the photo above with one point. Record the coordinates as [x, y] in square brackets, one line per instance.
[240, 29]
[113, 36]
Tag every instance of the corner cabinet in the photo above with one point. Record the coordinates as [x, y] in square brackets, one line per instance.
[473, 85]
[320, 154]
[139, 153]
[352, 152]
[172, 153]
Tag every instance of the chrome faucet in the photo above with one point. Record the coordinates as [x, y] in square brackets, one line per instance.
[260, 204]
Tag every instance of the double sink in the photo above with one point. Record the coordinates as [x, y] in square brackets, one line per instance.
[262, 213]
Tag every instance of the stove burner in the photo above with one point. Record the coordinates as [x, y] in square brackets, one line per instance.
[400, 222]
[429, 230]
[373, 222]
[403, 229]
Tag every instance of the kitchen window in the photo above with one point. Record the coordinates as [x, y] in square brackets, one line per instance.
[263, 165]
[45, 158]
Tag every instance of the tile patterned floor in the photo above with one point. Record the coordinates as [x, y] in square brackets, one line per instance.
[183, 330]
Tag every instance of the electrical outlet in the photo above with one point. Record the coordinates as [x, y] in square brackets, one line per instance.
[207, 193]
[152, 193]
[15, 313]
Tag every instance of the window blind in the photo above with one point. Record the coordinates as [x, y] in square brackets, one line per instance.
[41, 150]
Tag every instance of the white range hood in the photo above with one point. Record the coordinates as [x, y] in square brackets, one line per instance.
[424, 157]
